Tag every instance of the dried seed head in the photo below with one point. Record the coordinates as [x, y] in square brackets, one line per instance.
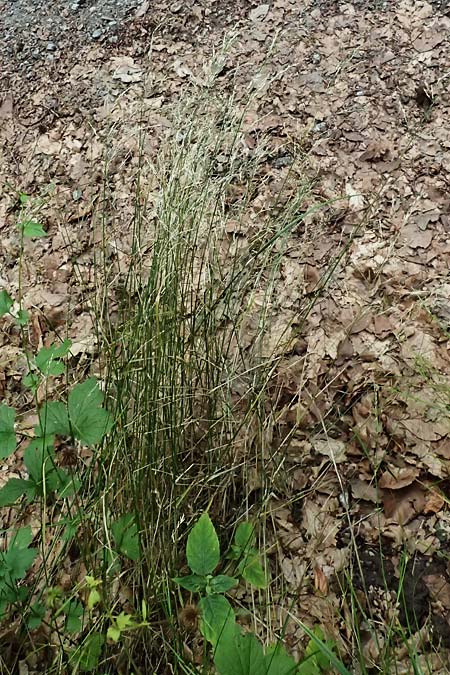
[188, 617]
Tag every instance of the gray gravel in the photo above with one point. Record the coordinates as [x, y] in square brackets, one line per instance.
[34, 32]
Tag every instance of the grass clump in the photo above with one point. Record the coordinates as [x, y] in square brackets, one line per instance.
[187, 367]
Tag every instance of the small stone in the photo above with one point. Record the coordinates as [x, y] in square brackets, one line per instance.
[51, 47]
[316, 57]
[284, 160]
[320, 127]
[97, 33]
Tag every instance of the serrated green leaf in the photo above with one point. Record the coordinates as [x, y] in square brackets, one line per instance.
[67, 484]
[48, 358]
[6, 302]
[22, 537]
[7, 434]
[217, 617]
[191, 582]
[18, 561]
[222, 583]
[32, 229]
[36, 616]
[126, 537]
[202, 549]
[31, 381]
[15, 488]
[89, 421]
[54, 419]
[74, 611]
[124, 621]
[87, 656]
[39, 459]
[82, 418]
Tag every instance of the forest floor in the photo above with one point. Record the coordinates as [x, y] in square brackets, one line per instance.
[361, 92]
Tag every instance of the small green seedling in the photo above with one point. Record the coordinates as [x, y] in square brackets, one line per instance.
[203, 556]
[236, 652]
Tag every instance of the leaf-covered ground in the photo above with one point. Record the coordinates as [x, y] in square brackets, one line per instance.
[359, 92]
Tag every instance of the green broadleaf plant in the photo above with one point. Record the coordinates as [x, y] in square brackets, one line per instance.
[31, 229]
[235, 652]
[82, 418]
[14, 564]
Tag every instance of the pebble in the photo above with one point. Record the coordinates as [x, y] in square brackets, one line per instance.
[96, 34]
[320, 127]
[51, 47]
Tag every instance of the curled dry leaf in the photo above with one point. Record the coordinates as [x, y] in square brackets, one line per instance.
[434, 501]
[396, 478]
[401, 506]
[320, 580]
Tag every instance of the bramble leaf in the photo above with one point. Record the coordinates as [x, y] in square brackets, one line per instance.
[37, 613]
[19, 558]
[53, 419]
[90, 422]
[87, 656]
[83, 417]
[73, 611]
[15, 488]
[48, 358]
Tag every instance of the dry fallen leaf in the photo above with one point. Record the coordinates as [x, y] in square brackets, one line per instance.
[401, 506]
[396, 478]
[259, 13]
[142, 9]
[356, 200]
[126, 70]
[320, 580]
